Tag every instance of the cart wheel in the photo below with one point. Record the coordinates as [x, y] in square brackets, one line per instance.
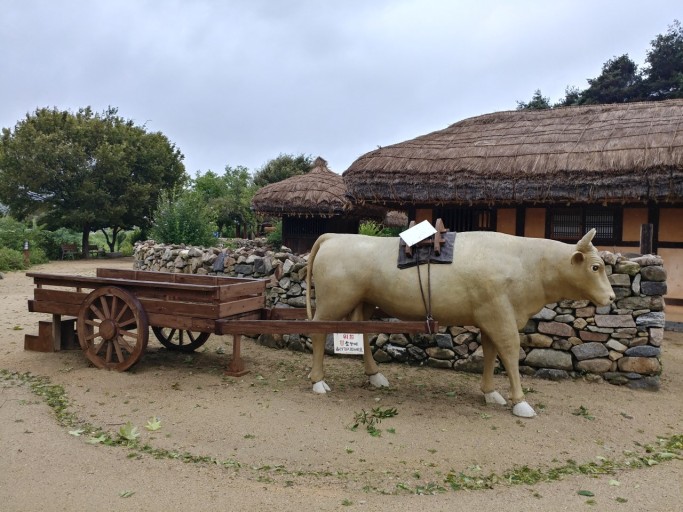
[179, 339]
[112, 328]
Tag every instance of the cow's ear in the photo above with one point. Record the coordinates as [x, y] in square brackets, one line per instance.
[577, 258]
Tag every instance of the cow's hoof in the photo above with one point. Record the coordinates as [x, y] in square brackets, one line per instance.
[321, 387]
[523, 410]
[494, 398]
[379, 381]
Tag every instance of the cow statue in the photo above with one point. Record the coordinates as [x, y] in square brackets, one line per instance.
[496, 282]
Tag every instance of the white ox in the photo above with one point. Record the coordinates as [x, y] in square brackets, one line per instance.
[496, 282]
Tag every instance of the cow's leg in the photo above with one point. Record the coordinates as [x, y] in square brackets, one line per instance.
[506, 342]
[317, 372]
[364, 312]
[490, 394]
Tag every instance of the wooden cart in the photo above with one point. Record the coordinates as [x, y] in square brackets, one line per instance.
[109, 315]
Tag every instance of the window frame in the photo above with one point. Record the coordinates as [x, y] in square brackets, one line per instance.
[581, 213]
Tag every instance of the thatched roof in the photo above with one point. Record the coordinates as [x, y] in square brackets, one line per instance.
[623, 152]
[319, 193]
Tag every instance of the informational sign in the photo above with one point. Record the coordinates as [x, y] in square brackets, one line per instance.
[348, 343]
[417, 233]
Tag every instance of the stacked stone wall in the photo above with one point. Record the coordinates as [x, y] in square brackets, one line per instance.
[620, 343]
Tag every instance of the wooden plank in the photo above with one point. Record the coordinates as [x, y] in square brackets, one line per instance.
[227, 292]
[170, 277]
[288, 314]
[95, 282]
[56, 308]
[52, 295]
[181, 322]
[239, 306]
[309, 326]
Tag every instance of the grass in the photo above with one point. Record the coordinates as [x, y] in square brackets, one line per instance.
[660, 451]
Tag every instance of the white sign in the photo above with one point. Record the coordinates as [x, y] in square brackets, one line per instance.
[417, 233]
[348, 343]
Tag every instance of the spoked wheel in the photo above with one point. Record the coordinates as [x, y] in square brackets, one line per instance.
[179, 339]
[112, 328]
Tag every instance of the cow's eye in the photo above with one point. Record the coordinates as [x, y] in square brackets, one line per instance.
[595, 268]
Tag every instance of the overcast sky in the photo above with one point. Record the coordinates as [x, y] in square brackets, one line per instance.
[238, 82]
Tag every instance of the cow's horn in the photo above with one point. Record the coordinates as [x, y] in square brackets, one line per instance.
[584, 245]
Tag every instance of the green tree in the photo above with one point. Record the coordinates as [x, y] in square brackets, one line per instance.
[229, 197]
[86, 171]
[281, 168]
[619, 82]
[183, 218]
[537, 102]
[664, 65]
[572, 96]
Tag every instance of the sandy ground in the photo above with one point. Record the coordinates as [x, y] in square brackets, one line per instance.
[268, 443]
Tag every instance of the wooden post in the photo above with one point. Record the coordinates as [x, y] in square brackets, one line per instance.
[646, 232]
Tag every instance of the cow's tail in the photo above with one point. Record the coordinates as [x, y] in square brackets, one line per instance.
[309, 274]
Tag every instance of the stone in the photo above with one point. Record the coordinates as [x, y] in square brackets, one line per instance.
[548, 358]
[654, 319]
[461, 350]
[579, 323]
[615, 355]
[556, 329]
[463, 338]
[650, 383]
[640, 365]
[399, 339]
[455, 330]
[398, 353]
[382, 339]
[539, 340]
[218, 264]
[635, 285]
[614, 321]
[244, 269]
[593, 336]
[566, 318]
[551, 374]
[297, 302]
[562, 344]
[627, 267]
[439, 363]
[616, 378]
[586, 312]
[653, 288]
[643, 351]
[440, 353]
[574, 304]
[656, 336]
[381, 356]
[615, 345]
[545, 314]
[262, 266]
[621, 292]
[417, 353]
[271, 340]
[575, 341]
[444, 341]
[589, 350]
[594, 365]
[620, 280]
[653, 273]
[603, 310]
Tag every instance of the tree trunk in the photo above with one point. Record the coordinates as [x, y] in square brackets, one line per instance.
[85, 241]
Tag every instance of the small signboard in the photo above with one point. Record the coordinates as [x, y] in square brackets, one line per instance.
[348, 343]
[417, 233]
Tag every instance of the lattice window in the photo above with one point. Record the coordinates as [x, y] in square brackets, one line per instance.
[570, 224]
[467, 219]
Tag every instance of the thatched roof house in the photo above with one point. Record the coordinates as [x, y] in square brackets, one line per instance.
[311, 204]
[319, 193]
[624, 152]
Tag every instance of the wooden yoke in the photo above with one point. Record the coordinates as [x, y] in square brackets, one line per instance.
[435, 240]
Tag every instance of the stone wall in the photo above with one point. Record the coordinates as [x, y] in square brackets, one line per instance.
[620, 343]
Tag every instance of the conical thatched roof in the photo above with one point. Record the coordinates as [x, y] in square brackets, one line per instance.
[622, 152]
[320, 192]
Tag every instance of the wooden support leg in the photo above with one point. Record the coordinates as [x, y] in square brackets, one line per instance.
[57, 332]
[236, 366]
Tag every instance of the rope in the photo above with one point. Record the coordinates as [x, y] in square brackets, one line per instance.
[427, 302]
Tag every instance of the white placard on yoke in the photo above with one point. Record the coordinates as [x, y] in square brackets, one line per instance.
[417, 233]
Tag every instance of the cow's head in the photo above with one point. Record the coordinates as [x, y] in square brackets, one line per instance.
[589, 272]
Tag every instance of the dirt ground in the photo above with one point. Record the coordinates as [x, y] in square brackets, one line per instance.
[266, 442]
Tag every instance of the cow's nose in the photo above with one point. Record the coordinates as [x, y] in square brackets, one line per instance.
[612, 297]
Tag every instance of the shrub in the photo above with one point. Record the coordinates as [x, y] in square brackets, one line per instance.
[275, 237]
[183, 218]
[11, 259]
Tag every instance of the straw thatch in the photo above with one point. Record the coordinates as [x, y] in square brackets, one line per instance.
[319, 193]
[601, 153]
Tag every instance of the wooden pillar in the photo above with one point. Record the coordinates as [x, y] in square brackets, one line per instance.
[646, 236]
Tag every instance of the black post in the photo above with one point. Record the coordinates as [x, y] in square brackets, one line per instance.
[646, 231]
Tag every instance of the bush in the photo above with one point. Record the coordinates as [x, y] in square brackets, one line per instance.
[275, 237]
[11, 259]
[183, 218]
